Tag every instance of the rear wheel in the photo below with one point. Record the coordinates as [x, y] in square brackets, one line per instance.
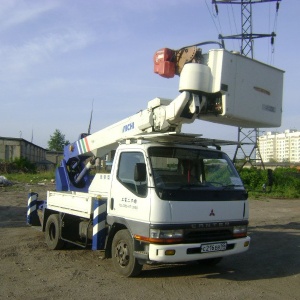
[52, 233]
[122, 254]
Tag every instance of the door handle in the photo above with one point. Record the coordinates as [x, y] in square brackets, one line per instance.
[111, 203]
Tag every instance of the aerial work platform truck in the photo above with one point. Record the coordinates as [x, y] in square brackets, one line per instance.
[170, 197]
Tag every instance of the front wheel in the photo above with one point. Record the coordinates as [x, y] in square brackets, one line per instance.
[52, 233]
[122, 254]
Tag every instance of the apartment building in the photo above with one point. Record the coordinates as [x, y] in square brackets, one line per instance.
[280, 147]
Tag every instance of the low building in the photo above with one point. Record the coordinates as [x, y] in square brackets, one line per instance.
[54, 157]
[12, 148]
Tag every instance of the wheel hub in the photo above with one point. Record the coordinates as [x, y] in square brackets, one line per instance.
[122, 254]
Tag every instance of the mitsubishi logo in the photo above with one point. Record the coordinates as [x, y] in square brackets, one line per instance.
[212, 214]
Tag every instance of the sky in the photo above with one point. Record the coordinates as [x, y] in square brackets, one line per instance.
[59, 58]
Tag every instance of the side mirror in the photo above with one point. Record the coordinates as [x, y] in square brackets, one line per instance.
[140, 173]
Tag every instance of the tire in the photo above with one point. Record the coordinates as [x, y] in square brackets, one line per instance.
[122, 255]
[52, 233]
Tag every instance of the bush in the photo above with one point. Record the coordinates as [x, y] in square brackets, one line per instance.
[24, 165]
[253, 178]
[285, 182]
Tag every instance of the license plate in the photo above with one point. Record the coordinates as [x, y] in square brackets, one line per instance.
[213, 247]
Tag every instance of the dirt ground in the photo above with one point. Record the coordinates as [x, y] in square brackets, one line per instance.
[269, 270]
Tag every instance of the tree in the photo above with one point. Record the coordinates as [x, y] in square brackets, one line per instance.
[57, 141]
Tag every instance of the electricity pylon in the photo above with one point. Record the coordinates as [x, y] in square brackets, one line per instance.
[245, 135]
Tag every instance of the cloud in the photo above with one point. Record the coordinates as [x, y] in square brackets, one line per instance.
[154, 5]
[19, 59]
[14, 13]
[61, 43]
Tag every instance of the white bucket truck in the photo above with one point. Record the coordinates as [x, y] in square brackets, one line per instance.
[169, 197]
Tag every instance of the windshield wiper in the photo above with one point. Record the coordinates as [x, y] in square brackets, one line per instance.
[229, 186]
[192, 185]
[208, 185]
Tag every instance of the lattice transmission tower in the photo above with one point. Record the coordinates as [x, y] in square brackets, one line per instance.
[246, 139]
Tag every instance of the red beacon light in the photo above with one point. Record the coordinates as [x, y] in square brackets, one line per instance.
[163, 64]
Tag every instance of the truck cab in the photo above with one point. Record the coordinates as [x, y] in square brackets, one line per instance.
[177, 203]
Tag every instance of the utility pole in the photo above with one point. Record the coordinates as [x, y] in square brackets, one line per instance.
[245, 135]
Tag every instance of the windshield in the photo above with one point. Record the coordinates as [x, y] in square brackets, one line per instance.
[180, 168]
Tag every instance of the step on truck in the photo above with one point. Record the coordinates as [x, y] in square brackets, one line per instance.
[169, 197]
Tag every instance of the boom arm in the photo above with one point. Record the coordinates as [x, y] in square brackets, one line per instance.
[161, 115]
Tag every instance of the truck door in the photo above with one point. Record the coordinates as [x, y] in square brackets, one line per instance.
[129, 193]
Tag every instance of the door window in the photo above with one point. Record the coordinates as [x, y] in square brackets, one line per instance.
[126, 170]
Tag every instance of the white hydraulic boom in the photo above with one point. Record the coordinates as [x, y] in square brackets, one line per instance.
[218, 86]
[161, 115]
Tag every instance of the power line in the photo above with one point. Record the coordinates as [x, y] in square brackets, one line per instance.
[212, 17]
[247, 37]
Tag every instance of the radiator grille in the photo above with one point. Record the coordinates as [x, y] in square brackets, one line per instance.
[207, 235]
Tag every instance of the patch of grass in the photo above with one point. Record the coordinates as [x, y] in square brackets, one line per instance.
[31, 178]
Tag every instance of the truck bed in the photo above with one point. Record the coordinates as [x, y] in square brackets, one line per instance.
[74, 203]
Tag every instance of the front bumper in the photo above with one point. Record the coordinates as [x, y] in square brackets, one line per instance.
[192, 252]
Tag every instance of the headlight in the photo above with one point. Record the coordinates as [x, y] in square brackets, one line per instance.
[240, 231]
[166, 235]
